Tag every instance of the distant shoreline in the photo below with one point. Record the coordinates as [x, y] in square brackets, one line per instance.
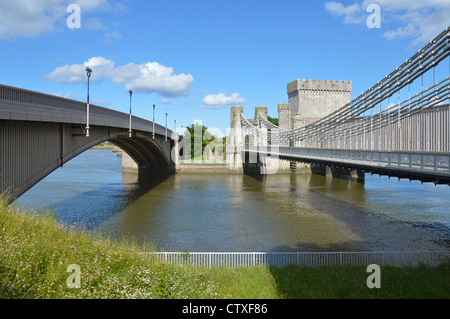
[212, 168]
[104, 146]
[183, 167]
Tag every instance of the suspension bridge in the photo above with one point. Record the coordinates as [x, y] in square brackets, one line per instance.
[398, 127]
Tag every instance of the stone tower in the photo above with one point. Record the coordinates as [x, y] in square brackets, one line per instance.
[284, 116]
[315, 99]
[262, 110]
[234, 141]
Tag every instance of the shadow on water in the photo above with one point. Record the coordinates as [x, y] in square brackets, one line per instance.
[344, 208]
[259, 177]
[92, 208]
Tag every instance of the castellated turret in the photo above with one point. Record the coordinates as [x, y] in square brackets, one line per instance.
[315, 99]
[298, 120]
[262, 110]
[284, 116]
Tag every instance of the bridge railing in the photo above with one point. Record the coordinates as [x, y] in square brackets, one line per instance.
[423, 130]
[21, 104]
[436, 162]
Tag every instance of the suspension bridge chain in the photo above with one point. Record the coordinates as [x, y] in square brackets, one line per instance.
[399, 126]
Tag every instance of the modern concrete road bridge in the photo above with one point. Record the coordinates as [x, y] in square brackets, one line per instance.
[41, 132]
[409, 137]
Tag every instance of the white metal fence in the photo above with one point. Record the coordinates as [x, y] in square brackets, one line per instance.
[311, 259]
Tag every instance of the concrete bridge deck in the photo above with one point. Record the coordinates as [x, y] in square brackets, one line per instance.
[40, 132]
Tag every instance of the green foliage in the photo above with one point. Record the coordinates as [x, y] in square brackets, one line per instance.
[199, 135]
[272, 120]
[200, 138]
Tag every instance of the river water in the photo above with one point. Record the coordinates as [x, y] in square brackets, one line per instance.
[241, 213]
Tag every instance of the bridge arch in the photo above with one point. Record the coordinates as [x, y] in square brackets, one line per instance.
[31, 150]
[144, 151]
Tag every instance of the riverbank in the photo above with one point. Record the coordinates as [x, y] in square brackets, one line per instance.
[205, 168]
[105, 146]
[36, 253]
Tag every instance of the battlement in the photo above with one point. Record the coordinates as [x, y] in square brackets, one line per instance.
[262, 110]
[319, 85]
[284, 107]
[297, 118]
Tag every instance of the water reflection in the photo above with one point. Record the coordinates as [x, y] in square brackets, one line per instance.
[222, 212]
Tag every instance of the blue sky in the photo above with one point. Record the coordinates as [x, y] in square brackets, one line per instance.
[194, 59]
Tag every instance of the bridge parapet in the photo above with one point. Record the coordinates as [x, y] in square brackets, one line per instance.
[25, 105]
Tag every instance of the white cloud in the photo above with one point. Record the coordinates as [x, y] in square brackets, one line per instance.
[165, 101]
[28, 18]
[220, 100]
[397, 5]
[148, 77]
[88, 5]
[352, 13]
[418, 19]
[110, 36]
[24, 18]
[75, 73]
[101, 102]
[153, 77]
[93, 24]
[431, 25]
[401, 32]
[66, 95]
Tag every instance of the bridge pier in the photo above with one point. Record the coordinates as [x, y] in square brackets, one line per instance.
[319, 169]
[341, 173]
[358, 174]
[344, 173]
[128, 164]
[337, 172]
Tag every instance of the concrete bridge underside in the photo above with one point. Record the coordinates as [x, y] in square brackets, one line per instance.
[30, 150]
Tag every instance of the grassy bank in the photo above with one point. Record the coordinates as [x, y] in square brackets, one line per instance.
[35, 252]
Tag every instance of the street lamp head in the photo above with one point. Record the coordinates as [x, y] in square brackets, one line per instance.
[131, 92]
[88, 72]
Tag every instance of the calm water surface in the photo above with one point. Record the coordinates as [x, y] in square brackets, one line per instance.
[221, 212]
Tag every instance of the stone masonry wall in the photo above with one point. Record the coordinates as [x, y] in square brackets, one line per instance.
[315, 99]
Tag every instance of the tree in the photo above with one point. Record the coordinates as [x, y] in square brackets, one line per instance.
[272, 120]
[199, 137]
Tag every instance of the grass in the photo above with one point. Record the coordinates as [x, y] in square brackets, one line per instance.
[35, 252]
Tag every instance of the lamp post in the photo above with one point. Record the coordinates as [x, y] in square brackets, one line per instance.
[166, 126]
[153, 132]
[131, 93]
[88, 73]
